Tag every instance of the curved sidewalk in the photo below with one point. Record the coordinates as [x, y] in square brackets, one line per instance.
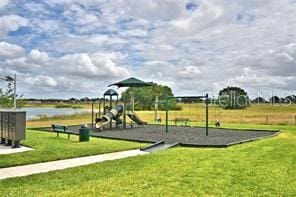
[37, 168]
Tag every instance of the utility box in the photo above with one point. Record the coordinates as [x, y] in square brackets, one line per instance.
[12, 127]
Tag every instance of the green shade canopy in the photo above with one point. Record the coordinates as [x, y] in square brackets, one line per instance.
[131, 82]
[110, 92]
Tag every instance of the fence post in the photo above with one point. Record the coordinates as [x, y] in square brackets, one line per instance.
[266, 119]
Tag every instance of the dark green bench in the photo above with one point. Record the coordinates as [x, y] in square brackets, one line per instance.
[61, 129]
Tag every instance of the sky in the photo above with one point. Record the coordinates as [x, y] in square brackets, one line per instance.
[75, 48]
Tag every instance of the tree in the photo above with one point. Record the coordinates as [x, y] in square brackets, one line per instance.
[259, 100]
[145, 96]
[6, 98]
[275, 99]
[73, 100]
[291, 98]
[85, 99]
[233, 98]
[191, 100]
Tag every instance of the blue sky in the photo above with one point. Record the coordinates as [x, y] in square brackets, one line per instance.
[75, 48]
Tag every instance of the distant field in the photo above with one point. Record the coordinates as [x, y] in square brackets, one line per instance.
[52, 105]
[258, 114]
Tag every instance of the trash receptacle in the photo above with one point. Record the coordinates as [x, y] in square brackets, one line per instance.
[84, 133]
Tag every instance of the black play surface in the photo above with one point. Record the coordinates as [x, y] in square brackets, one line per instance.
[186, 136]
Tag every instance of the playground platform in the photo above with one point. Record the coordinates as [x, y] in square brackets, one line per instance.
[185, 136]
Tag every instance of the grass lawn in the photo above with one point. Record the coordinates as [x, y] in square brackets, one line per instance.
[48, 147]
[261, 168]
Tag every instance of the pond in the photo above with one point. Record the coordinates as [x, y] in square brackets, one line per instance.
[33, 113]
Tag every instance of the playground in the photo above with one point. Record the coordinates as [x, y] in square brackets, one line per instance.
[186, 136]
[119, 120]
[116, 119]
[113, 158]
[179, 135]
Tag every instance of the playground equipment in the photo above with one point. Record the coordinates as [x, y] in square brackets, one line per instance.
[12, 127]
[105, 116]
[134, 117]
[106, 108]
[115, 114]
[132, 83]
[166, 103]
[111, 93]
[106, 119]
[217, 115]
[102, 120]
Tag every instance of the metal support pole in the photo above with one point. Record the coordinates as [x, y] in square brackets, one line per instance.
[207, 115]
[116, 104]
[14, 97]
[156, 109]
[133, 103]
[110, 110]
[92, 113]
[99, 108]
[166, 115]
[104, 106]
[124, 116]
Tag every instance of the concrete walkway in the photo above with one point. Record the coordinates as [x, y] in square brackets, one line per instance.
[26, 170]
[6, 150]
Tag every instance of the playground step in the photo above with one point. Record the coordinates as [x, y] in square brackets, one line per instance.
[37, 168]
[158, 146]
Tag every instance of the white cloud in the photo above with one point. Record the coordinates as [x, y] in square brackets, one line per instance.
[251, 77]
[189, 72]
[218, 43]
[134, 32]
[82, 17]
[79, 72]
[38, 58]
[73, 43]
[93, 65]
[10, 23]
[154, 10]
[9, 51]
[47, 25]
[42, 81]
[209, 14]
[3, 3]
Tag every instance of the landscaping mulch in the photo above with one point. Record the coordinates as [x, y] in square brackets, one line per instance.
[186, 136]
